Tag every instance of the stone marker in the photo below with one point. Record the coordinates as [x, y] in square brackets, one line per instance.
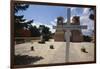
[51, 47]
[32, 48]
[84, 50]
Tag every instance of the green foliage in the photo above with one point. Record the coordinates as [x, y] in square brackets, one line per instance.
[19, 21]
[91, 16]
[87, 38]
[20, 7]
[45, 32]
[34, 31]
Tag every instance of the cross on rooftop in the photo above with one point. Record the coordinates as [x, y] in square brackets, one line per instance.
[67, 27]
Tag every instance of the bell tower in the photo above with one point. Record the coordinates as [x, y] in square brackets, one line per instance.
[76, 34]
[59, 34]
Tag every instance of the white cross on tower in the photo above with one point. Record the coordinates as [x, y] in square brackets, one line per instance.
[67, 27]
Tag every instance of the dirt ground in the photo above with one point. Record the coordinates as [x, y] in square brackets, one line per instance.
[42, 54]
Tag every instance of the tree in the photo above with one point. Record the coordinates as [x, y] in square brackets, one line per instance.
[92, 15]
[19, 21]
[87, 38]
[34, 31]
[45, 32]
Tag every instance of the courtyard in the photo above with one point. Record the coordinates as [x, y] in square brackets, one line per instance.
[43, 54]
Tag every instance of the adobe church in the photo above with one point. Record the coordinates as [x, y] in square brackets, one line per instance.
[76, 35]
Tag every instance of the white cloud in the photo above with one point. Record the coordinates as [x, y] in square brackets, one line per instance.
[86, 11]
[73, 8]
[55, 20]
[74, 11]
[37, 24]
[53, 23]
[84, 20]
[65, 20]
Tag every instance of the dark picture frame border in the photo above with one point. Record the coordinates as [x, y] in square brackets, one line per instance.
[12, 50]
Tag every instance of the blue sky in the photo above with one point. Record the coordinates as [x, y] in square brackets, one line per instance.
[46, 15]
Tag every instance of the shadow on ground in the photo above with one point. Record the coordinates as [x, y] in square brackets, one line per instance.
[25, 59]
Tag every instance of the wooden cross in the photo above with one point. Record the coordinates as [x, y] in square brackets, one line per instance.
[67, 27]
